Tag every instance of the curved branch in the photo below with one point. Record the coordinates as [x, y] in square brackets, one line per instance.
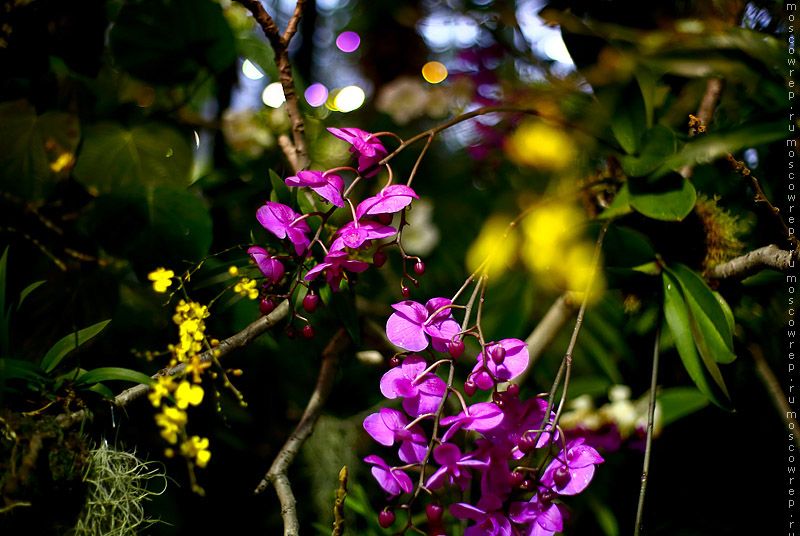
[277, 474]
[769, 257]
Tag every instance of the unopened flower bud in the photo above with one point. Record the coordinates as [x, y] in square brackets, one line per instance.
[266, 306]
[386, 518]
[513, 389]
[498, 354]
[515, 479]
[455, 349]
[385, 219]
[394, 362]
[526, 484]
[379, 259]
[291, 332]
[308, 332]
[562, 477]
[310, 302]
[406, 292]
[434, 512]
[470, 387]
[527, 443]
[419, 268]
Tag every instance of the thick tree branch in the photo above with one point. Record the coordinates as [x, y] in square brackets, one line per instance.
[277, 474]
[768, 257]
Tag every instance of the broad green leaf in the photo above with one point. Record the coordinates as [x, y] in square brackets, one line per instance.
[626, 108]
[622, 246]
[343, 305]
[678, 402]
[113, 373]
[101, 390]
[163, 226]
[35, 150]
[279, 188]
[171, 42]
[113, 157]
[69, 343]
[727, 310]
[647, 83]
[19, 369]
[604, 515]
[620, 206]
[677, 319]
[709, 321]
[27, 290]
[660, 144]
[669, 198]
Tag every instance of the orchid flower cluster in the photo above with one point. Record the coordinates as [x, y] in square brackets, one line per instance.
[371, 220]
[520, 462]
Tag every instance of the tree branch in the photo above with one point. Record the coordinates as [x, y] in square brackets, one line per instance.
[768, 257]
[277, 474]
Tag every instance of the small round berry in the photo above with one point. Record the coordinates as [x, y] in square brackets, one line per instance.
[434, 512]
[406, 292]
[291, 332]
[419, 268]
[379, 259]
[386, 518]
[385, 219]
[515, 479]
[470, 387]
[526, 443]
[394, 362]
[561, 477]
[308, 331]
[266, 306]
[513, 389]
[526, 484]
[310, 302]
[455, 349]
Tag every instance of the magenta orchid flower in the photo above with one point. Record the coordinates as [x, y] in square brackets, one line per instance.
[413, 323]
[573, 477]
[329, 187]
[368, 149]
[357, 235]
[421, 391]
[391, 199]
[283, 222]
[545, 517]
[481, 417]
[487, 515]
[335, 264]
[393, 480]
[506, 360]
[454, 467]
[271, 268]
[389, 426]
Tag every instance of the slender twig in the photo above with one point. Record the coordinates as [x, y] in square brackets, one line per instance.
[277, 474]
[651, 409]
[769, 257]
[773, 387]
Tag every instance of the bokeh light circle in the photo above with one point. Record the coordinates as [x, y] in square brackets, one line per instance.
[349, 98]
[250, 70]
[434, 72]
[273, 95]
[316, 94]
[348, 41]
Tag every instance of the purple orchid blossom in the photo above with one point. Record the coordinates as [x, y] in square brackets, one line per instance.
[545, 517]
[389, 426]
[393, 481]
[454, 467]
[487, 515]
[271, 268]
[358, 235]
[283, 222]
[391, 199]
[329, 187]
[368, 149]
[413, 323]
[573, 477]
[513, 362]
[421, 392]
[481, 417]
[335, 264]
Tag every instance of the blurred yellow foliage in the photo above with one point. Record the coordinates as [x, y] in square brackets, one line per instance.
[541, 146]
[490, 246]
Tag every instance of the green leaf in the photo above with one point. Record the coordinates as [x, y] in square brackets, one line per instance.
[620, 206]
[647, 83]
[623, 247]
[604, 515]
[259, 52]
[660, 143]
[678, 402]
[171, 42]
[27, 290]
[69, 343]
[343, 305]
[101, 390]
[626, 108]
[677, 318]
[19, 369]
[114, 157]
[669, 198]
[710, 325]
[727, 310]
[113, 373]
[279, 188]
[163, 226]
[30, 144]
